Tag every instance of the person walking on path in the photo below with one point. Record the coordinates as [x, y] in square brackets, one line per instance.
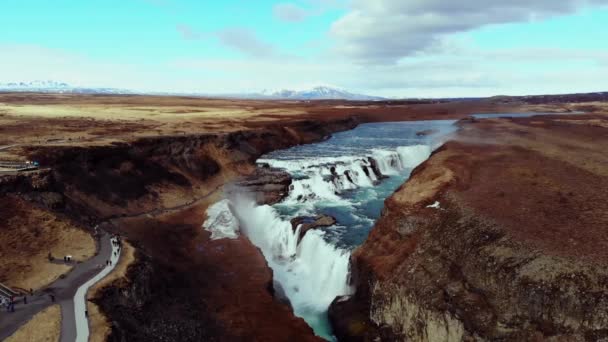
[24, 300]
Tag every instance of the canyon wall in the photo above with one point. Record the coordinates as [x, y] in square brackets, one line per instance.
[500, 235]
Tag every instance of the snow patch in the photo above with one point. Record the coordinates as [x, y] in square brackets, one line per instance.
[435, 205]
[221, 222]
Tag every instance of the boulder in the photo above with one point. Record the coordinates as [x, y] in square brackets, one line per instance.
[427, 132]
[309, 223]
[268, 185]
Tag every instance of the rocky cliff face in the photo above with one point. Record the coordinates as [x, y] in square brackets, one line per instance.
[514, 251]
[150, 173]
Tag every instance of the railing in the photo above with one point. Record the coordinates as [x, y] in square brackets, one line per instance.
[7, 290]
[6, 293]
[18, 165]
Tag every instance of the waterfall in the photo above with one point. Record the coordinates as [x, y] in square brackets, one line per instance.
[311, 271]
[324, 179]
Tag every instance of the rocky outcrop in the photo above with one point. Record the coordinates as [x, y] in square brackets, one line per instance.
[427, 132]
[267, 185]
[307, 223]
[513, 251]
[134, 307]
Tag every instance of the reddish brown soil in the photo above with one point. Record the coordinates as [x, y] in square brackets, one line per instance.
[547, 184]
[228, 278]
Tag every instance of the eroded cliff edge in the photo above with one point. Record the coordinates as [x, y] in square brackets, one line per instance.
[515, 250]
[154, 191]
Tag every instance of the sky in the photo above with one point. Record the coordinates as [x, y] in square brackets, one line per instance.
[392, 48]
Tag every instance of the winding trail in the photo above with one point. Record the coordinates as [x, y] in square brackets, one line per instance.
[74, 323]
[7, 147]
[81, 319]
[64, 289]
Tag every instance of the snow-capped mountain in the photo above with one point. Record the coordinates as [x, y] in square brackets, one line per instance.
[49, 86]
[317, 93]
[34, 85]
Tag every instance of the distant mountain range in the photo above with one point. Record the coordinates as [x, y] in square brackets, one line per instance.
[49, 86]
[316, 93]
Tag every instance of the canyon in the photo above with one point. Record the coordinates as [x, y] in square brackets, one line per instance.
[514, 249]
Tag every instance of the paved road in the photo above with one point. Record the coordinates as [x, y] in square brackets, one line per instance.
[64, 290]
[79, 302]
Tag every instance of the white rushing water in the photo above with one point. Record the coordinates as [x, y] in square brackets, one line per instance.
[311, 273]
[221, 222]
[347, 177]
[326, 178]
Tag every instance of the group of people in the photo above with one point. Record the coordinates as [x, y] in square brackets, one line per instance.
[116, 242]
[9, 302]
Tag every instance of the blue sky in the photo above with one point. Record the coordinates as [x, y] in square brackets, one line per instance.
[401, 48]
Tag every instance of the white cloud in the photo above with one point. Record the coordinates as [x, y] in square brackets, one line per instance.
[247, 42]
[383, 31]
[289, 12]
[461, 70]
[240, 39]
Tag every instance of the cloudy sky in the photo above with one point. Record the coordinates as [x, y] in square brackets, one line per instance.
[396, 48]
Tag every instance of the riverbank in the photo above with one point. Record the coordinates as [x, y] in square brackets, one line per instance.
[499, 235]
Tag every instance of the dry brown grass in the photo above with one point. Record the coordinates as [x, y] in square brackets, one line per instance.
[87, 120]
[99, 324]
[43, 327]
[44, 119]
[426, 185]
[28, 235]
